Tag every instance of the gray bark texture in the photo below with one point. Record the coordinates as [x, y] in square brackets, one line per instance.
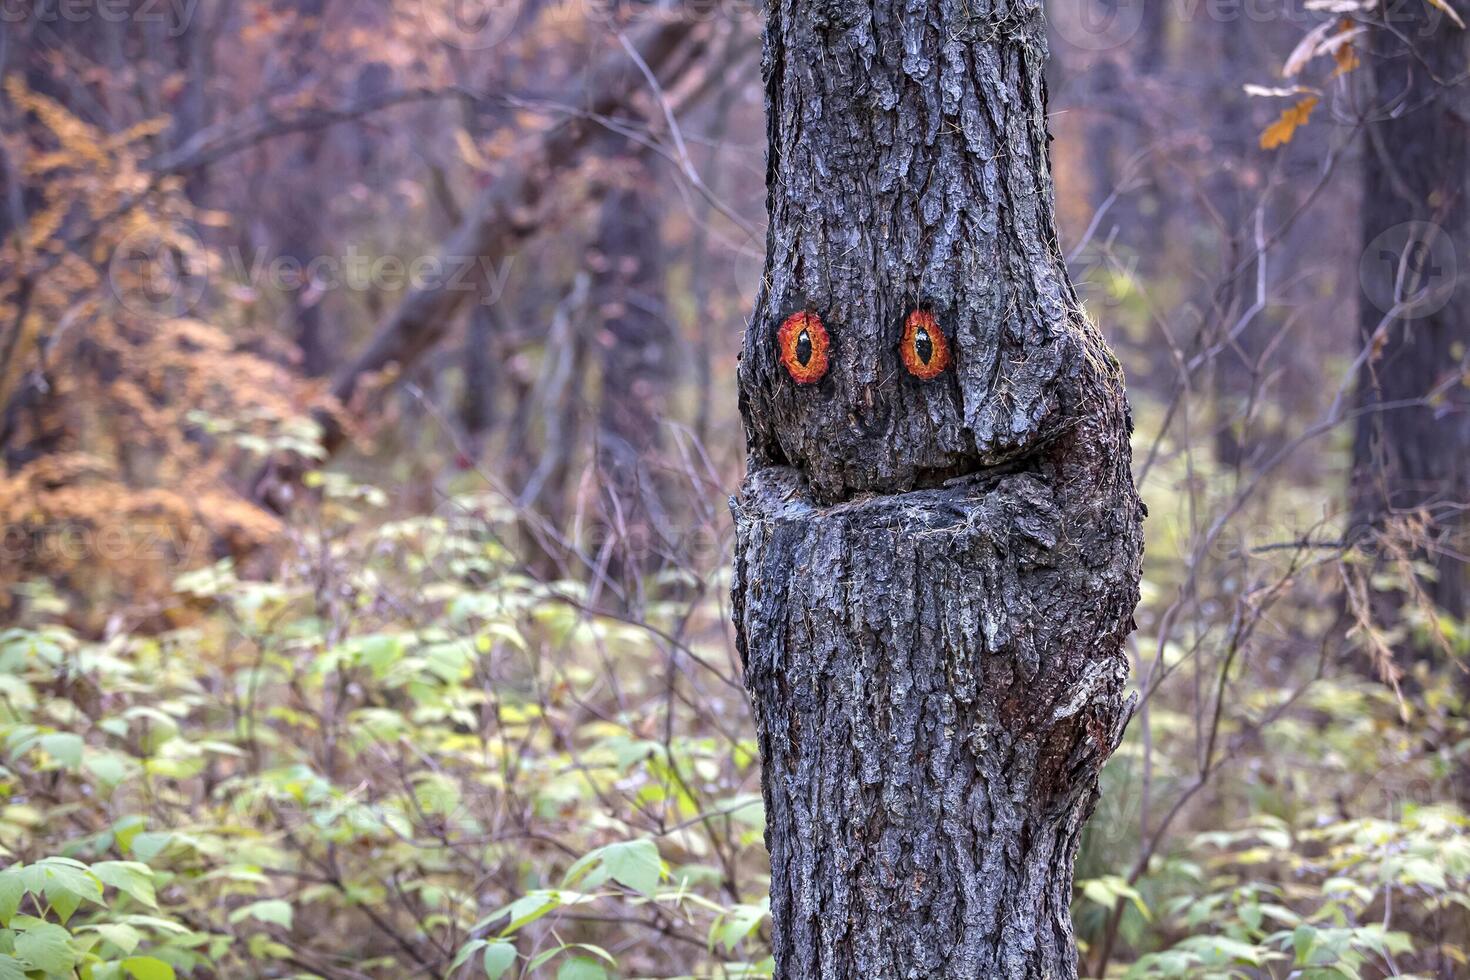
[934, 578]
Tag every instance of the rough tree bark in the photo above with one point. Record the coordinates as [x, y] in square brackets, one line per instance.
[934, 578]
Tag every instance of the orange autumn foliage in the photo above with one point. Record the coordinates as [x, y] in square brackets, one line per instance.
[132, 412]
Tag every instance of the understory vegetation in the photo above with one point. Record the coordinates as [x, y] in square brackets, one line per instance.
[396, 754]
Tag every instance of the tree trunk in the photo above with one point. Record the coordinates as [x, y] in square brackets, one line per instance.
[1233, 191]
[1416, 457]
[938, 539]
[299, 203]
[636, 341]
[482, 368]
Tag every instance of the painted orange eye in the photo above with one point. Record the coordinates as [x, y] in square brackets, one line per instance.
[924, 350]
[803, 342]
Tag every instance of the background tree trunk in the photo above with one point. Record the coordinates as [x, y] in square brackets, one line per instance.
[1234, 190]
[297, 203]
[933, 578]
[1415, 217]
[635, 338]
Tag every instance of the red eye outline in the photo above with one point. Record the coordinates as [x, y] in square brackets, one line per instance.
[920, 326]
[801, 334]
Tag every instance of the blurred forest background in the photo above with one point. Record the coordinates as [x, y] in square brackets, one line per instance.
[367, 414]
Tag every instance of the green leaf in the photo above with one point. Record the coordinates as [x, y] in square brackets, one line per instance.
[634, 863]
[379, 652]
[147, 968]
[1419, 871]
[1303, 938]
[596, 951]
[12, 890]
[581, 968]
[523, 910]
[578, 872]
[500, 956]
[65, 883]
[44, 946]
[271, 910]
[124, 937]
[465, 952]
[1251, 915]
[108, 768]
[11, 968]
[63, 904]
[738, 923]
[150, 844]
[1227, 950]
[1097, 891]
[154, 922]
[132, 878]
[64, 747]
[509, 633]
[436, 794]
[1106, 891]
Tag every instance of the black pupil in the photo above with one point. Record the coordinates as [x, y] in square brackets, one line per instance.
[804, 348]
[923, 346]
